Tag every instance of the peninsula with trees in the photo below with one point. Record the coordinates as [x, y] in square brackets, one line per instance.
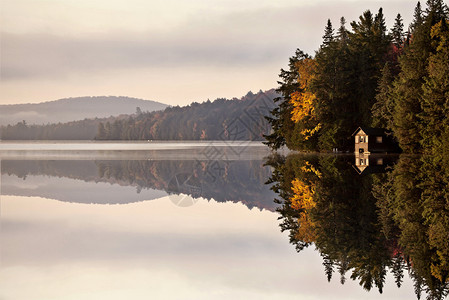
[369, 76]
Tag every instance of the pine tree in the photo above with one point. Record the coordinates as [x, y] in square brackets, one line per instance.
[333, 76]
[369, 45]
[328, 36]
[408, 90]
[397, 32]
[435, 100]
[328, 264]
[342, 33]
[382, 110]
[417, 17]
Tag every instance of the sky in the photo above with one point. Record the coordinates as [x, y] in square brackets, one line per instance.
[171, 51]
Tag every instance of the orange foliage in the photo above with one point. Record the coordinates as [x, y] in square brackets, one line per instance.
[303, 201]
[303, 100]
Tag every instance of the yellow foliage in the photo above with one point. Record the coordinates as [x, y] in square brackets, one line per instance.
[303, 100]
[437, 271]
[303, 201]
[302, 105]
[309, 168]
[302, 195]
[437, 32]
[307, 133]
[306, 230]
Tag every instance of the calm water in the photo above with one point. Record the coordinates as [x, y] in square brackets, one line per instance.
[166, 221]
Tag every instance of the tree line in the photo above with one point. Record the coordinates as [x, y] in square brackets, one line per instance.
[369, 76]
[236, 119]
[222, 119]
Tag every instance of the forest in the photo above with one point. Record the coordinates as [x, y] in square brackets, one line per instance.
[222, 119]
[392, 219]
[395, 79]
[236, 119]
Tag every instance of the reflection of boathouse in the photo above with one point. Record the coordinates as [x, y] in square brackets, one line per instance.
[373, 163]
[369, 141]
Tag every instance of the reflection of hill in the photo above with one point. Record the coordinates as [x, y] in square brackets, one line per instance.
[236, 181]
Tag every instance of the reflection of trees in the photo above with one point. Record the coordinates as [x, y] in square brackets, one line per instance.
[236, 181]
[418, 204]
[368, 225]
[222, 180]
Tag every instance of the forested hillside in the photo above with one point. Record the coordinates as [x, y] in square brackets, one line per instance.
[222, 119]
[397, 79]
[74, 109]
[234, 119]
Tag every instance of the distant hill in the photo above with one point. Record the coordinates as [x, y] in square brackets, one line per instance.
[72, 109]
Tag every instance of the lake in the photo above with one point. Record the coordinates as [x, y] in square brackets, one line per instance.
[165, 220]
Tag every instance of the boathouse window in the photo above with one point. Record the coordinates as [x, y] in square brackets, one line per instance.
[378, 139]
[361, 150]
[362, 161]
[361, 139]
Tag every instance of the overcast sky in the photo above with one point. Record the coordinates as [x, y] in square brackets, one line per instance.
[172, 51]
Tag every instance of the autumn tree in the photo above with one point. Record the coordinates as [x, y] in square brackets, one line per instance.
[303, 110]
[282, 125]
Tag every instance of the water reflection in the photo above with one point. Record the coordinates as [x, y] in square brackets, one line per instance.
[368, 220]
[113, 181]
[80, 248]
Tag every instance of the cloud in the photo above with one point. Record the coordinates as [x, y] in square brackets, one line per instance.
[221, 50]
[237, 39]
[43, 55]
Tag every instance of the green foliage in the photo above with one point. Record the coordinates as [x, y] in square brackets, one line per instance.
[371, 224]
[368, 77]
[411, 114]
[435, 101]
[382, 110]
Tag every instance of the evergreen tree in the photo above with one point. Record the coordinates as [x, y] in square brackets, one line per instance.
[382, 110]
[417, 17]
[328, 36]
[408, 91]
[435, 100]
[342, 33]
[330, 84]
[369, 45]
[397, 32]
